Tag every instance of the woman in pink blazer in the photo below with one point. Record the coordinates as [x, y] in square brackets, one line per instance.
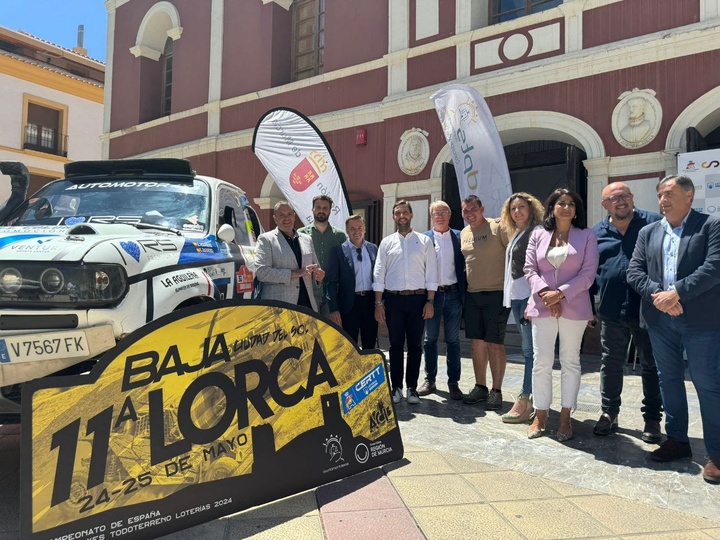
[560, 266]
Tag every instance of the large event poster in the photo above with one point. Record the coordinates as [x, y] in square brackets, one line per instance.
[200, 414]
[703, 168]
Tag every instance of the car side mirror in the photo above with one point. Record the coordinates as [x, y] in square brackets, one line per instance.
[226, 233]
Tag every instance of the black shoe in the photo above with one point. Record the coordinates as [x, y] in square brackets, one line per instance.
[455, 392]
[671, 450]
[606, 425]
[494, 401]
[478, 394]
[651, 432]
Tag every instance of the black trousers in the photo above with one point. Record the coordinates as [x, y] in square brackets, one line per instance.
[361, 320]
[403, 315]
[615, 336]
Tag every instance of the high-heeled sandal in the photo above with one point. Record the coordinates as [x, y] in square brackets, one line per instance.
[534, 432]
[562, 437]
[513, 417]
[537, 428]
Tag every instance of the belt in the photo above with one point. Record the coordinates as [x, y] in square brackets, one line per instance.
[445, 288]
[363, 293]
[408, 292]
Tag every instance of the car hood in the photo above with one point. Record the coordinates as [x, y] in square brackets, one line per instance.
[72, 243]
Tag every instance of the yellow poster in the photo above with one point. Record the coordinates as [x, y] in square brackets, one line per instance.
[201, 414]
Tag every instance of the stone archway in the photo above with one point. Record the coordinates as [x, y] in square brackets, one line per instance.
[162, 21]
[703, 114]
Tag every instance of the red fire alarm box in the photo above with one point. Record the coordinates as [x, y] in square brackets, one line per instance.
[360, 137]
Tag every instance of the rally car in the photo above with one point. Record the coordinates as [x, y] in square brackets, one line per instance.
[110, 247]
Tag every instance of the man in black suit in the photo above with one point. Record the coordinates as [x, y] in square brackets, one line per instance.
[675, 268]
[448, 302]
[349, 284]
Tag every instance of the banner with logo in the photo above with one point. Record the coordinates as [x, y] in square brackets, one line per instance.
[703, 168]
[200, 414]
[475, 145]
[300, 161]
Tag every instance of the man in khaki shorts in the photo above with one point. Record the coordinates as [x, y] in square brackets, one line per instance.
[483, 244]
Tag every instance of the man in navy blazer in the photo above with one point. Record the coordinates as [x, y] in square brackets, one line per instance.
[448, 301]
[349, 284]
[675, 268]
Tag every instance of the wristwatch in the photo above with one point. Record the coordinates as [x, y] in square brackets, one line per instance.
[430, 301]
[380, 303]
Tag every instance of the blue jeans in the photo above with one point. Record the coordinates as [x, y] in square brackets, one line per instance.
[448, 306]
[669, 336]
[525, 329]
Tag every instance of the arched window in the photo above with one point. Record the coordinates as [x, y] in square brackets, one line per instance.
[167, 70]
[154, 47]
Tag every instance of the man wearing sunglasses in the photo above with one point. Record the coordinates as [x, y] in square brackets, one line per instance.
[349, 284]
[619, 311]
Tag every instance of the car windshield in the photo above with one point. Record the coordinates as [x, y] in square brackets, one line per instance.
[182, 205]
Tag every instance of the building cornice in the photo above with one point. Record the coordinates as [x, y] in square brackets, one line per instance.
[112, 5]
[50, 79]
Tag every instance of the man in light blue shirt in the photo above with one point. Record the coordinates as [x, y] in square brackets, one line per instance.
[675, 268]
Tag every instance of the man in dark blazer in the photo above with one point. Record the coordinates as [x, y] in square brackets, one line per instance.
[448, 301]
[349, 284]
[675, 268]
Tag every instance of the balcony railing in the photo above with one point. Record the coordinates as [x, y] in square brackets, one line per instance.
[45, 139]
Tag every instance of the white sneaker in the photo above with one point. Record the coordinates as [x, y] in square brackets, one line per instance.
[412, 396]
[397, 396]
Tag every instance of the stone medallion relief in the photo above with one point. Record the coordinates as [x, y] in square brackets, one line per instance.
[636, 118]
[414, 151]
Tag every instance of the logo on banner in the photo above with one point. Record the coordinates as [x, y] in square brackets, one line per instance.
[714, 163]
[466, 113]
[334, 449]
[690, 167]
[307, 171]
[243, 280]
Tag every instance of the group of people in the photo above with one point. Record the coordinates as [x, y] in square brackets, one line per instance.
[656, 277]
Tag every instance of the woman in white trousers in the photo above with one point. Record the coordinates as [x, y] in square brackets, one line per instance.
[560, 266]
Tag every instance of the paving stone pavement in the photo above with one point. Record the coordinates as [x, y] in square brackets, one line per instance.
[466, 474]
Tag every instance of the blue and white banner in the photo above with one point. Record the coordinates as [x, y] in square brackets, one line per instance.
[475, 145]
[300, 161]
[703, 168]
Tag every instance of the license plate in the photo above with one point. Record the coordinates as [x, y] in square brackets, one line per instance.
[43, 347]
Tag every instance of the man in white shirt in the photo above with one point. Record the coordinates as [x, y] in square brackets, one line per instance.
[405, 281]
[448, 301]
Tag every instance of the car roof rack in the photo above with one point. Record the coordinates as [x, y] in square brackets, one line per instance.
[130, 167]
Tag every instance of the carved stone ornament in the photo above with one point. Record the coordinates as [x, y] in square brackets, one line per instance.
[414, 151]
[636, 119]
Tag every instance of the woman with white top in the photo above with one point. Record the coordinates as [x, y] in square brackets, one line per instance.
[521, 214]
[560, 266]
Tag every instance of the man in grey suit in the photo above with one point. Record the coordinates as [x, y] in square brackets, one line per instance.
[286, 261]
[675, 268]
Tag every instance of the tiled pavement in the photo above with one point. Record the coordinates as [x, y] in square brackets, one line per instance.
[465, 474]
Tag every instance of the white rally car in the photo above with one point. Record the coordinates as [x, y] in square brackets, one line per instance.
[109, 248]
